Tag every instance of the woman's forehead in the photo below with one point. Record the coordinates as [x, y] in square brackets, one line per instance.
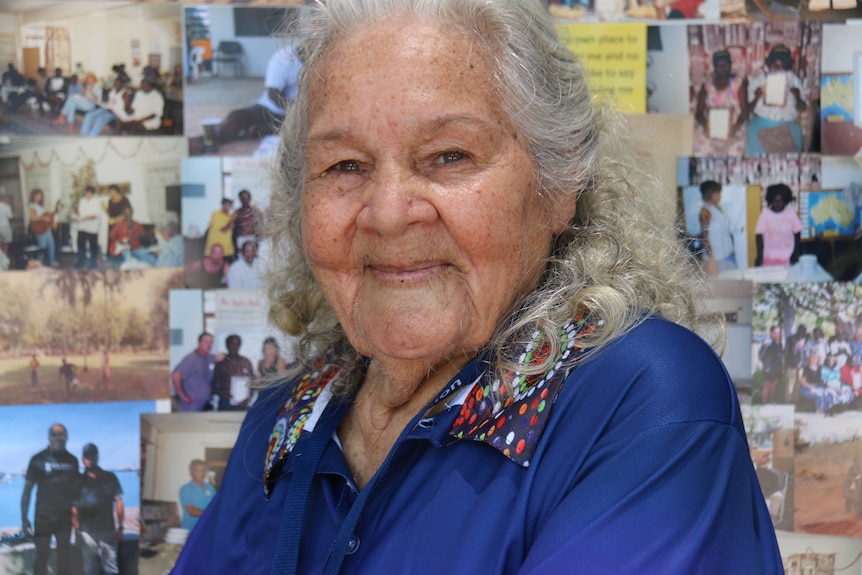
[413, 66]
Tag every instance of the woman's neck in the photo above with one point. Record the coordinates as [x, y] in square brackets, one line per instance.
[391, 395]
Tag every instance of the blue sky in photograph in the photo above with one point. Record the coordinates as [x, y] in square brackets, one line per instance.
[113, 426]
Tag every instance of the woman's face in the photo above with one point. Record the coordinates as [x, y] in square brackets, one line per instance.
[722, 69]
[420, 217]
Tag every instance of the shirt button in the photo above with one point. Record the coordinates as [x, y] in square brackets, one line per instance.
[353, 544]
[426, 423]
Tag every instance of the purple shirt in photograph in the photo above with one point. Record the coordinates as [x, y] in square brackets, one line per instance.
[197, 373]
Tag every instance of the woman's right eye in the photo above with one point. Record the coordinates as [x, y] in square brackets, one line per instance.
[346, 167]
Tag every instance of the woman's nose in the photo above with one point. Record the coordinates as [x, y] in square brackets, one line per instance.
[394, 200]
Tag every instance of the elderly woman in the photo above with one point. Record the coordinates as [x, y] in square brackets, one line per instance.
[486, 381]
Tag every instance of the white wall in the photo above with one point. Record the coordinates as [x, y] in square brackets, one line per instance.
[174, 449]
[187, 315]
[118, 160]
[206, 171]
[667, 75]
[99, 40]
[838, 172]
[839, 43]
[257, 49]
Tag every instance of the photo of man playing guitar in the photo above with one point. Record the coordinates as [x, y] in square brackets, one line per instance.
[42, 226]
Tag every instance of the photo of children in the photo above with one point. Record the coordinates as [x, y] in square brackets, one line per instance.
[800, 215]
[752, 85]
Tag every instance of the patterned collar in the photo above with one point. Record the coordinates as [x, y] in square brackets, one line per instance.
[513, 426]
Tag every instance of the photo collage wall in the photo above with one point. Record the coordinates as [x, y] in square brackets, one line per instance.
[135, 179]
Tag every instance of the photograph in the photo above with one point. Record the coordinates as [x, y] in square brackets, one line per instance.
[807, 346]
[92, 69]
[796, 217]
[183, 457]
[72, 467]
[91, 204]
[225, 206]
[770, 433]
[753, 87]
[78, 336]
[806, 554]
[222, 344]
[841, 90]
[828, 474]
[241, 77]
[634, 10]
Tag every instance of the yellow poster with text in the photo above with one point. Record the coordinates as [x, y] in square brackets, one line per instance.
[615, 58]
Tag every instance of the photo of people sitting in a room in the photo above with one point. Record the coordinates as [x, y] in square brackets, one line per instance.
[75, 82]
[239, 85]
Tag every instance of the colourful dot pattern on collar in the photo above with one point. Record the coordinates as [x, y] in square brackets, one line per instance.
[512, 425]
[292, 419]
[514, 422]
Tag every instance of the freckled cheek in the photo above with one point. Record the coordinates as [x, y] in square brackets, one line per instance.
[325, 233]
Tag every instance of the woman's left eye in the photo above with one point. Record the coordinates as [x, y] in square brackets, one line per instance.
[449, 157]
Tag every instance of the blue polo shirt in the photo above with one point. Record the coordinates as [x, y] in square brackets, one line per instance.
[641, 465]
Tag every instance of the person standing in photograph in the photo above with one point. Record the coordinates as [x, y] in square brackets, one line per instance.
[777, 234]
[68, 377]
[774, 127]
[232, 366]
[196, 494]
[271, 364]
[770, 355]
[793, 363]
[89, 214]
[117, 204]
[247, 220]
[715, 230]
[192, 378]
[55, 471]
[42, 226]
[34, 370]
[220, 231]
[106, 370]
[723, 91]
[97, 515]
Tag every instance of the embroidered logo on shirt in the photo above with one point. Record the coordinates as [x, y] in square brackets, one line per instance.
[291, 420]
[515, 426]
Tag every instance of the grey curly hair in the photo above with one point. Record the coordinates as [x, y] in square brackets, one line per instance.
[615, 263]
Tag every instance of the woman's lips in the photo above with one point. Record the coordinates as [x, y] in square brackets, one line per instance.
[406, 274]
